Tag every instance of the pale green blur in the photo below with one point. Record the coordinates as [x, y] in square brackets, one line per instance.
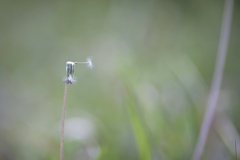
[146, 95]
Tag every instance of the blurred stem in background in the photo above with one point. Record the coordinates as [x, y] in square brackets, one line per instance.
[217, 79]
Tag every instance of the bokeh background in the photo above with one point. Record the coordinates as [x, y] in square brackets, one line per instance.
[146, 95]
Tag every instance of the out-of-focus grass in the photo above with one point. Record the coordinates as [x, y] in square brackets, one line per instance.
[144, 99]
[138, 129]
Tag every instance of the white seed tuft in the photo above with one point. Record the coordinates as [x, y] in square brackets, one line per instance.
[89, 60]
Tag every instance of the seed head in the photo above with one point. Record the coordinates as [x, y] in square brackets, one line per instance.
[70, 69]
[70, 72]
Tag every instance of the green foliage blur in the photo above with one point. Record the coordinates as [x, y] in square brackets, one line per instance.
[146, 95]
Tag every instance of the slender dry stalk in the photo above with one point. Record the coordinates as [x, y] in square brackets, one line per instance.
[62, 123]
[235, 149]
[217, 78]
[69, 80]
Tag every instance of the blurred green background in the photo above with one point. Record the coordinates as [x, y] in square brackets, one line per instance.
[146, 95]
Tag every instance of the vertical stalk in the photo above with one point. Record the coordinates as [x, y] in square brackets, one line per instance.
[217, 79]
[62, 123]
[235, 150]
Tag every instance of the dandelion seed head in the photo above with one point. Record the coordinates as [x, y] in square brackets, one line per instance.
[70, 67]
[70, 72]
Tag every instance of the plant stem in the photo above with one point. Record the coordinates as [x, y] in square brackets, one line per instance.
[235, 149]
[62, 123]
[216, 82]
